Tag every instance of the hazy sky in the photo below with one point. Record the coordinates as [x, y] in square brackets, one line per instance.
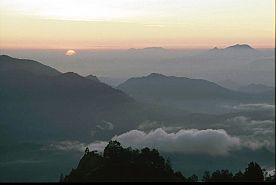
[82, 24]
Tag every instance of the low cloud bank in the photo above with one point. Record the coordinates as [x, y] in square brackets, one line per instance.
[193, 141]
[254, 134]
[212, 142]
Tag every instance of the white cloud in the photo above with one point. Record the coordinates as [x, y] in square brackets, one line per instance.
[255, 145]
[97, 146]
[212, 142]
[254, 134]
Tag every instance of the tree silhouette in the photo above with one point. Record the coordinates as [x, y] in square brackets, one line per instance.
[238, 177]
[118, 164]
[253, 173]
[206, 176]
[86, 150]
[124, 164]
[221, 176]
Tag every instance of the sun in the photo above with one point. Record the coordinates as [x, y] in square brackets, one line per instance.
[70, 52]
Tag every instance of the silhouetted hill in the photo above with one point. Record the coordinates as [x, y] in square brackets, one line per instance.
[193, 95]
[58, 106]
[92, 77]
[240, 46]
[118, 164]
[238, 51]
[8, 63]
[158, 85]
[236, 47]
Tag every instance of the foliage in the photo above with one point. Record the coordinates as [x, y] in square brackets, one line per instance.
[125, 164]
[253, 173]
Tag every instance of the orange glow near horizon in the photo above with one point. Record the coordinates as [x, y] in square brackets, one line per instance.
[173, 24]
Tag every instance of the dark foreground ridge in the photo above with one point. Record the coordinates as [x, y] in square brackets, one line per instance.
[118, 164]
[124, 164]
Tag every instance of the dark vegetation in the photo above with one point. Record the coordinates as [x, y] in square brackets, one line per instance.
[124, 164]
[253, 173]
[127, 164]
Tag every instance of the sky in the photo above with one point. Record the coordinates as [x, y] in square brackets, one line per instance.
[122, 24]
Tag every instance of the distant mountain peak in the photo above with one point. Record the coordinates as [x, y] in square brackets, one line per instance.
[71, 75]
[92, 77]
[215, 49]
[5, 56]
[240, 46]
[148, 49]
[156, 75]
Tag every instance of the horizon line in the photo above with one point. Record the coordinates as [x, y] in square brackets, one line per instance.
[127, 48]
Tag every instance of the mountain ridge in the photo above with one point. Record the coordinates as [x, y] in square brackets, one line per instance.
[53, 106]
[8, 63]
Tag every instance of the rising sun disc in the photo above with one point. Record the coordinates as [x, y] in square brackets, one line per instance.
[70, 52]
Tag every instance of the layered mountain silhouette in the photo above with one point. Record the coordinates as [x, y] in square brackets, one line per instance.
[238, 51]
[190, 94]
[41, 103]
[158, 85]
[240, 46]
[38, 102]
[236, 47]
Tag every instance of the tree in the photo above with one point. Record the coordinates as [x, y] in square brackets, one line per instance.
[206, 176]
[192, 178]
[253, 173]
[124, 164]
[113, 150]
[238, 177]
[221, 176]
[86, 151]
